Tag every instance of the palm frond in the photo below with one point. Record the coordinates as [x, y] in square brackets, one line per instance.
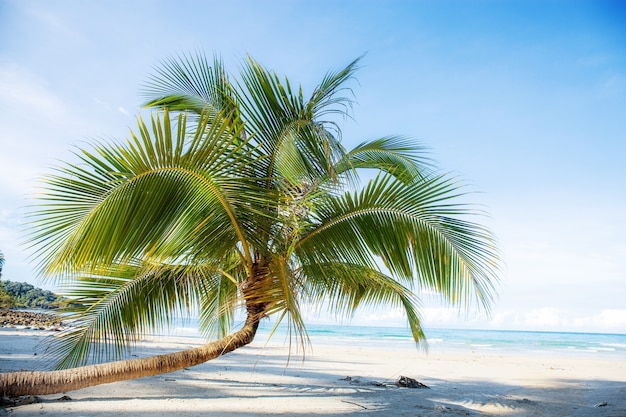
[418, 232]
[190, 83]
[287, 302]
[158, 198]
[112, 310]
[395, 155]
[328, 98]
[283, 123]
[218, 303]
[342, 288]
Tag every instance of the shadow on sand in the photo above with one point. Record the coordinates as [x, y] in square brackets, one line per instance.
[257, 382]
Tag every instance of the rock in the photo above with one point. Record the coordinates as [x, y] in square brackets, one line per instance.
[28, 319]
[17, 401]
[406, 382]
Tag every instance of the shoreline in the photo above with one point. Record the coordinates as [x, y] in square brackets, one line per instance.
[489, 340]
[261, 379]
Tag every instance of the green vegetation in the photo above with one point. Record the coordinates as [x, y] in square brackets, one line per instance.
[6, 300]
[239, 196]
[24, 295]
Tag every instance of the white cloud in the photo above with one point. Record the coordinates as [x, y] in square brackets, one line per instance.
[22, 91]
[540, 318]
[570, 255]
[559, 319]
[31, 123]
[609, 320]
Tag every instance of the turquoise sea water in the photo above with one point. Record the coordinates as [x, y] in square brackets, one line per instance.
[588, 344]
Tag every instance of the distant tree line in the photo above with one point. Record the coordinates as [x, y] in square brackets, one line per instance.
[25, 295]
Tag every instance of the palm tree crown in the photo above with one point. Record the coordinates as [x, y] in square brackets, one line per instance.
[238, 194]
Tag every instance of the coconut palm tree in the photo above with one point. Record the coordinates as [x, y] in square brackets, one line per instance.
[1, 263]
[238, 196]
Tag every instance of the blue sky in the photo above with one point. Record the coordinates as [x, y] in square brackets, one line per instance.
[524, 100]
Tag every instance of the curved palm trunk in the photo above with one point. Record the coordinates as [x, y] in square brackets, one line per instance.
[14, 384]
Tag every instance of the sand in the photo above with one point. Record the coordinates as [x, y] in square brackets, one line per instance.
[257, 381]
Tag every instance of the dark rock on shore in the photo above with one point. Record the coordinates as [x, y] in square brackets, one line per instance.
[29, 319]
[406, 382]
[17, 401]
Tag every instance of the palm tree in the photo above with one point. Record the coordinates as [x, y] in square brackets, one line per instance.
[245, 200]
[1, 263]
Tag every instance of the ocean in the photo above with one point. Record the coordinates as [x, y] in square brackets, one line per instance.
[494, 341]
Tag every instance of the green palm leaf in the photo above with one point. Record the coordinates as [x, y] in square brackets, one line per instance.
[112, 310]
[284, 123]
[395, 155]
[154, 199]
[341, 288]
[413, 230]
[190, 83]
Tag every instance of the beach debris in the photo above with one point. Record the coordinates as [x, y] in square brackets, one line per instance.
[406, 382]
[353, 403]
[64, 398]
[602, 404]
[403, 382]
[357, 380]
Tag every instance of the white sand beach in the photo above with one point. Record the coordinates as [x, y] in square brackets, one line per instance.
[258, 381]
